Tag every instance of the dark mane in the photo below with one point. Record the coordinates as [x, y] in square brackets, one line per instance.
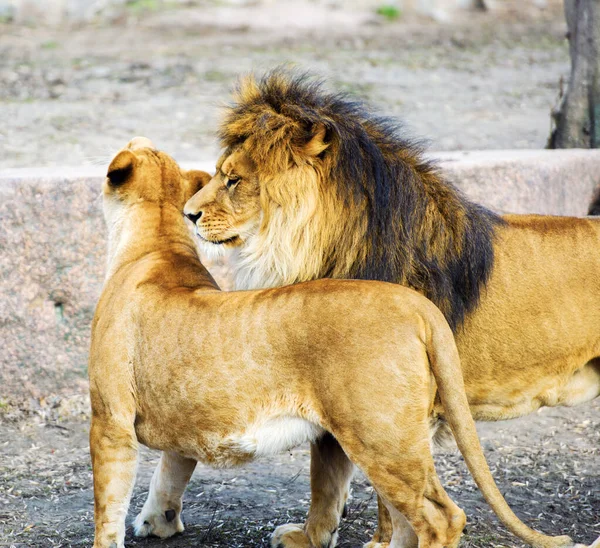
[422, 232]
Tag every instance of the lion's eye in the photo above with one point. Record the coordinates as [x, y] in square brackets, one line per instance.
[232, 181]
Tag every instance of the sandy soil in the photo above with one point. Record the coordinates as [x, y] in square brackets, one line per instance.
[75, 95]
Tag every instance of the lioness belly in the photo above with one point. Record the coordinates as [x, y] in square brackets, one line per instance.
[224, 449]
[272, 436]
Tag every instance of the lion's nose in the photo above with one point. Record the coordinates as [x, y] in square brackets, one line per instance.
[194, 216]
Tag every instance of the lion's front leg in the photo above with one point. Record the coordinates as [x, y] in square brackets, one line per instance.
[161, 514]
[383, 535]
[114, 449]
[330, 475]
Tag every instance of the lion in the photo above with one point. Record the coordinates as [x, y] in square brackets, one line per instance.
[224, 378]
[313, 185]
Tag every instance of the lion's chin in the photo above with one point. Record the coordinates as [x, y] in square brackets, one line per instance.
[232, 241]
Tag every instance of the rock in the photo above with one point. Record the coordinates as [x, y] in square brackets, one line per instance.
[553, 182]
[53, 242]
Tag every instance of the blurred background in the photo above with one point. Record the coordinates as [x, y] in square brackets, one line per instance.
[79, 78]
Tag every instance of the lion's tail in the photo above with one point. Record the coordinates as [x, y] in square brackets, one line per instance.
[445, 364]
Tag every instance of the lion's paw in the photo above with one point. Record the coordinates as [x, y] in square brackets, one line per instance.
[372, 544]
[291, 535]
[157, 522]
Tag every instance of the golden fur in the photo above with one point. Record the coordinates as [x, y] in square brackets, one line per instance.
[335, 191]
[224, 378]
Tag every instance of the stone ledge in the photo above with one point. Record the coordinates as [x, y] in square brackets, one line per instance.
[52, 240]
[550, 182]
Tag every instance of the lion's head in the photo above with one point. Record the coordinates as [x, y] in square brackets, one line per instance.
[312, 184]
[227, 209]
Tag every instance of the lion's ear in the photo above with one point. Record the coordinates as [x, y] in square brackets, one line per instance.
[197, 180]
[316, 143]
[121, 168]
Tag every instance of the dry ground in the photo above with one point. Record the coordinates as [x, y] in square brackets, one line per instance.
[75, 95]
[70, 97]
[547, 465]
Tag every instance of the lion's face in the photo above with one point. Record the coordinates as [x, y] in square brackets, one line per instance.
[227, 209]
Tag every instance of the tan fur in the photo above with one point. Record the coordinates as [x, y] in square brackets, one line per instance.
[225, 377]
[533, 339]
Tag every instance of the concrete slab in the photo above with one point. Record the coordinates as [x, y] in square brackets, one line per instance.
[52, 250]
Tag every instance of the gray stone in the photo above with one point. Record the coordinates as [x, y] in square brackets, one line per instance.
[53, 242]
[553, 182]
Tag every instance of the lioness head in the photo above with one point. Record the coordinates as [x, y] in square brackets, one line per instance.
[140, 173]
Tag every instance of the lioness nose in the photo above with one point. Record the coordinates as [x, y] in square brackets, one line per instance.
[194, 216]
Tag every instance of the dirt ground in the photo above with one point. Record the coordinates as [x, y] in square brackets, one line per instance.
[547, 465]
[72, 96]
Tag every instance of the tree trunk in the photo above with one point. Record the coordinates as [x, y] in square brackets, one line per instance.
[578, 117]
[594, 208]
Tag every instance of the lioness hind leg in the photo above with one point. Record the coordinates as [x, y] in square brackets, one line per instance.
[330, 475]
[161, 514]
[435, 520]
[398, 463]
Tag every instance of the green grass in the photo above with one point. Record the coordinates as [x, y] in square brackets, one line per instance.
[390, 12]
[140, 6]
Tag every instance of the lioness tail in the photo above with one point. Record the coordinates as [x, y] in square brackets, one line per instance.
[445, 364]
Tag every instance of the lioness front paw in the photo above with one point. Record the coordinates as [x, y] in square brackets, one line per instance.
[157, 522]
[372, 544]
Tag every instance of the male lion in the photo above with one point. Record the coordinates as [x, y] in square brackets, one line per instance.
[312, 185]
[227, 377]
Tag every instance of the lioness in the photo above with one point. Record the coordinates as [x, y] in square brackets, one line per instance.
[224, 378]
[312, 185]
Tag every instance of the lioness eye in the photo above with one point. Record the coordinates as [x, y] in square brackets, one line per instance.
[232, 181]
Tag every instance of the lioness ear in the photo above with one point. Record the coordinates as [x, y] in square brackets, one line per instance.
[121, 168]
[317, 143]
[197, 179]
